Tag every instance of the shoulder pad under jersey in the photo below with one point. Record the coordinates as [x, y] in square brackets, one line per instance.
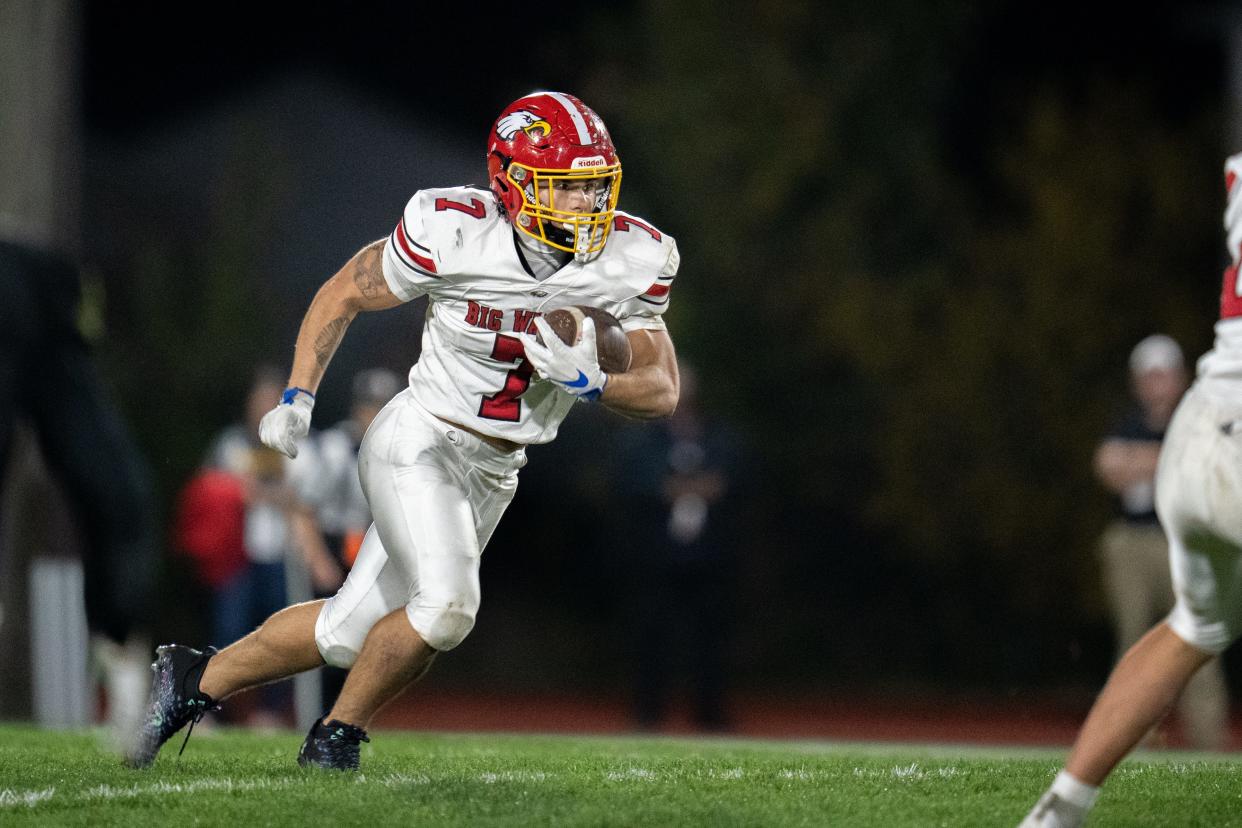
[641, 259]
[456, 223]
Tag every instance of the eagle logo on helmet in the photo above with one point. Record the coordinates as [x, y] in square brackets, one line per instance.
[526, 121]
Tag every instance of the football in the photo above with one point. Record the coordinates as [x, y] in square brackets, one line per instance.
[611, 343]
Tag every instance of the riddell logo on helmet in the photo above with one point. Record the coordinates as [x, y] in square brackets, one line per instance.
[590, 161]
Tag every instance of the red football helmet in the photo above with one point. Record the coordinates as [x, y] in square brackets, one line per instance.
[555, 172]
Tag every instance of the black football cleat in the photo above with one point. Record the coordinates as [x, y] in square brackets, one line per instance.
[332, 745]
[175, 700]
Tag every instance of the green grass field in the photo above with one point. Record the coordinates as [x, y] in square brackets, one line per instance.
[240, 779]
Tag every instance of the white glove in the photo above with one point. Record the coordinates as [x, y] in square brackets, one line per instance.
[288, 422]
[1233, 208]
[573, 368]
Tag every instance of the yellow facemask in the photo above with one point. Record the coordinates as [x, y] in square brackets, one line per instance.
[548, 196]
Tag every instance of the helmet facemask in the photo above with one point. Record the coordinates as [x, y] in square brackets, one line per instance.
[570, 210]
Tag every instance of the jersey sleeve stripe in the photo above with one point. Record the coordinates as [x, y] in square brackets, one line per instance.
[395, 247]
[657, 290]
[423, 262]
[664, 301]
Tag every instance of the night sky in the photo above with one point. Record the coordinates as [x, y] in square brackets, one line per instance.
[467, 64]
[140, 68]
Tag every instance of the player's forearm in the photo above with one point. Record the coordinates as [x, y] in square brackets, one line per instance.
[651, 387]
[646, 393]
[323, 328]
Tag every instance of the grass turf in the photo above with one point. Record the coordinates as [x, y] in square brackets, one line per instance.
[237, 778]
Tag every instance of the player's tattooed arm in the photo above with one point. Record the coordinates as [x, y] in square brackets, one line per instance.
[328, 339]
[652, 385]
[367, 272]
[358, 286]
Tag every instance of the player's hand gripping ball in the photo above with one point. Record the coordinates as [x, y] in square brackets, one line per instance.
[570, 357]
[611, 344]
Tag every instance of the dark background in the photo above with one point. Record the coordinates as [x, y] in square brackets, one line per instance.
[918, 242]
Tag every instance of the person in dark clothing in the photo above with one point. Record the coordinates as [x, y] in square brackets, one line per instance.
[676, 476]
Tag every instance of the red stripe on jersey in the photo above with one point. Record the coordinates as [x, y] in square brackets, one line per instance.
[657, 290]
[421, 261]
[1230, 177]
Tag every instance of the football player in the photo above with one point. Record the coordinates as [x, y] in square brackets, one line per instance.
[1199, 502]
[439, 463]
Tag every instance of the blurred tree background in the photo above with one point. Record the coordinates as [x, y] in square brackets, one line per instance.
[918, 242]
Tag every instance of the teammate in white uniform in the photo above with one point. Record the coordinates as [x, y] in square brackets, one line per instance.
[439, 464]
[1199, 502]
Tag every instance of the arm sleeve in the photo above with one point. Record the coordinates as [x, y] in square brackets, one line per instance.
[646, 311]
[410, 257]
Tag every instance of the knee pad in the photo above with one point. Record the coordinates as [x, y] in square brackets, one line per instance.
[337, 655]
[338, 643]
[443, 626]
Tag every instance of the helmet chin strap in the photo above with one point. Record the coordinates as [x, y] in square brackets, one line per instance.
[579, 239]
[582, 244]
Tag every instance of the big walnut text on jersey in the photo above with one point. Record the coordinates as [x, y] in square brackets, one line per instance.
[453, 246]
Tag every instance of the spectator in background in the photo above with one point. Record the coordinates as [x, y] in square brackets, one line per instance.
[210, 527]
[675, 476]
[1134, 551]
[340, 513]
[273, 489]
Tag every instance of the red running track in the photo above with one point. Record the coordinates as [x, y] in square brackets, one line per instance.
[1001, 722]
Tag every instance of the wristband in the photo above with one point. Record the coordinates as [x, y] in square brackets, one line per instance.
[592, 396]
[291, 394]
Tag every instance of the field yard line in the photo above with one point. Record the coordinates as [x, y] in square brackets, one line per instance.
[393, 780]
[218, 784]
[29, 799]
[10, 799]
[631, 774]
[513, 776]
[15, 799]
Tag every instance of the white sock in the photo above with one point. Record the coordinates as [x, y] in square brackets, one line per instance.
[1076, 793]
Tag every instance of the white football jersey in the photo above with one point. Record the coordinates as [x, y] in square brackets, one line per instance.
[452, 245]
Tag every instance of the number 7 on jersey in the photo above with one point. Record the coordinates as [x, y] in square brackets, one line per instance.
[504, 404]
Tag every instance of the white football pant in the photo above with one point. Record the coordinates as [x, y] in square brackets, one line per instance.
[436, 495]
[1199, 501]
